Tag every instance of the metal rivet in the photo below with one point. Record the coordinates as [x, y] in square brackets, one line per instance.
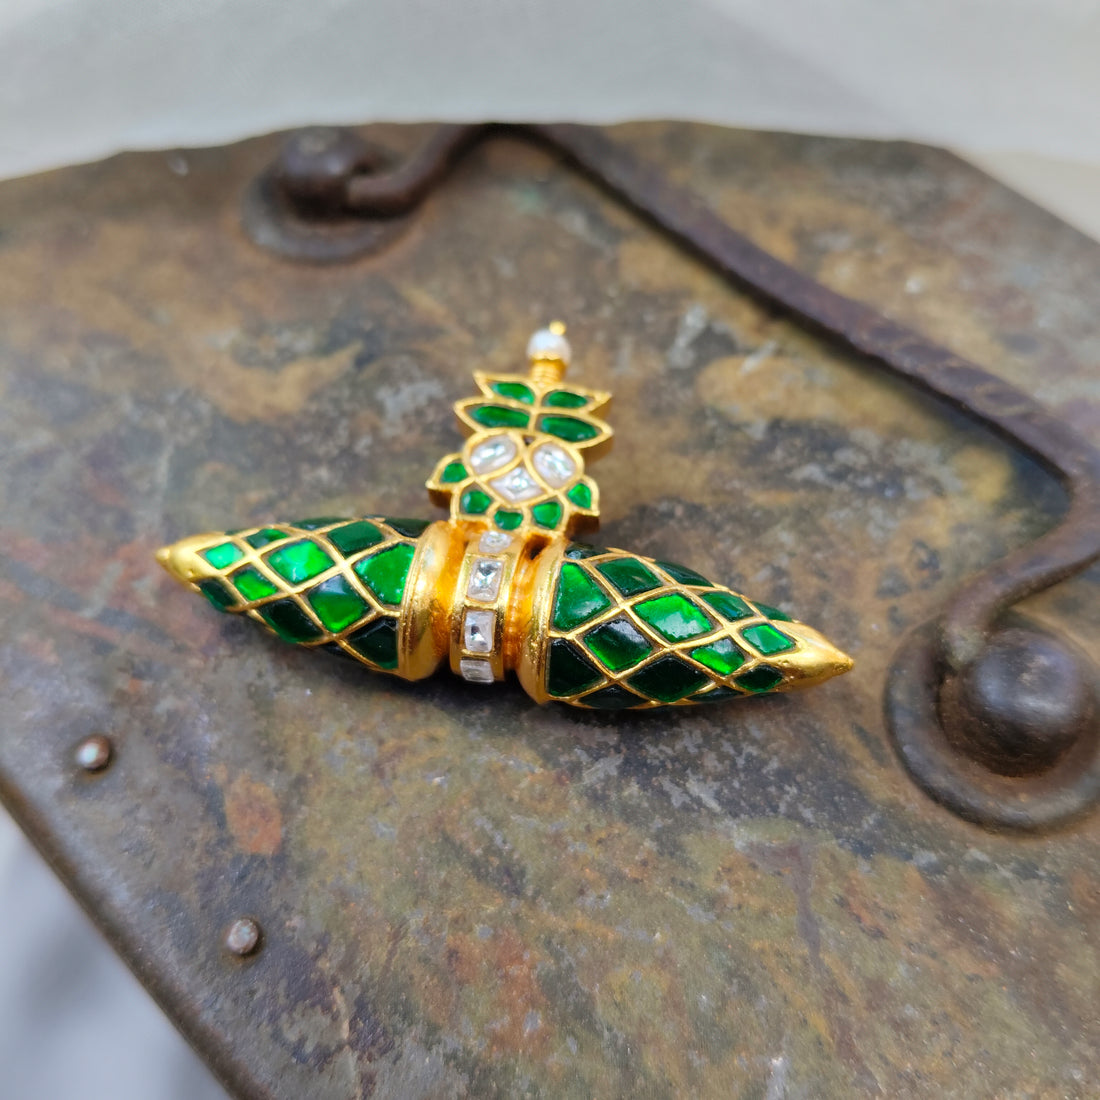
[242, 937]
[93, 754]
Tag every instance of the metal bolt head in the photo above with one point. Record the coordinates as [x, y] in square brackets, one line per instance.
[93, 754]
[242, 937]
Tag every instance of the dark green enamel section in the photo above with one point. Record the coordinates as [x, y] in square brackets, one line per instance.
[377, 642]
[673, 616]
[517, 391]
[767, 639]
[568, 671]
[507, 520]
[547, 514]
[718, 695]
[499, 416]
[773, 612]
[668, 680]
[353, 537]
[615, 697]
[577, 599]
[761, 678]
[568, 428]
[385, 573]
[223, 555]
[721, 656]
[578, 551]
[313, 524]
[412, 528]
[453, 471]
[580, 495]
[475, 502]
[290, 622]
[629, 575]
[252, 584]
[217, 593]
[728, 605]
[337, 604]
[565, 399]
[299, 561]
[265, 538]
[682, 574]
[618, 644]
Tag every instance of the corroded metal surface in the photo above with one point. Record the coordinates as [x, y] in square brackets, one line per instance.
[462, 895]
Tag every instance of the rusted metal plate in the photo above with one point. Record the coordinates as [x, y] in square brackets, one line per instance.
[459, 894]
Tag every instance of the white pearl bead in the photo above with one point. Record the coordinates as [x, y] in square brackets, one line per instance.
[546, 344]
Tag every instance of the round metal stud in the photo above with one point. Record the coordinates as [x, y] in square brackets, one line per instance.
[93, 754]
[242, 937]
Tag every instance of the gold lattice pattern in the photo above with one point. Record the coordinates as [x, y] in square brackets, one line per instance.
[629, 631]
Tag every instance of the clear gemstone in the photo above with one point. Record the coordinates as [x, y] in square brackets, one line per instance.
[494, 452]
[547, 344]
[493, 542]
[476, 669]
[554, 465]
[485, 579]
[477, 631]
[517, 485]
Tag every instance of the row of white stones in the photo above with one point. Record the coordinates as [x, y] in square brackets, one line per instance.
[553, 463]
[479, 623]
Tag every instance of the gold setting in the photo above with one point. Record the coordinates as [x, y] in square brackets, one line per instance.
[500, 586]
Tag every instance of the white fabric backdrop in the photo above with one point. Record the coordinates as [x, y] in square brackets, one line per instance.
[83, 78]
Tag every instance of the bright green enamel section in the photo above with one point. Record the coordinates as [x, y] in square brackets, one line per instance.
[353, 537]
[728, 605]
[223, 555]
[337, 604]
[629, 575]
[618, 644]
[568, 428]
[475, 502]
[578, 598]
[565, 399]
[299, 561]
[767, 639]
[547, 514]
[507, 520]
[385, 573]
[668, 680]
[673, 616]
[580, 495]
[499, 416]
[515, 390]
[252, 584]
[453, 471]
[721, 656]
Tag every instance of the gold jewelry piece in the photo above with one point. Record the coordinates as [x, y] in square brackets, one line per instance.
[501, 585]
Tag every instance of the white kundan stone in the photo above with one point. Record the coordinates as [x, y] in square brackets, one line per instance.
[493, 542]
[554, 465]
[477, 631]
[476, 669]
[492, 453]
[484, 583]
[517, 485]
